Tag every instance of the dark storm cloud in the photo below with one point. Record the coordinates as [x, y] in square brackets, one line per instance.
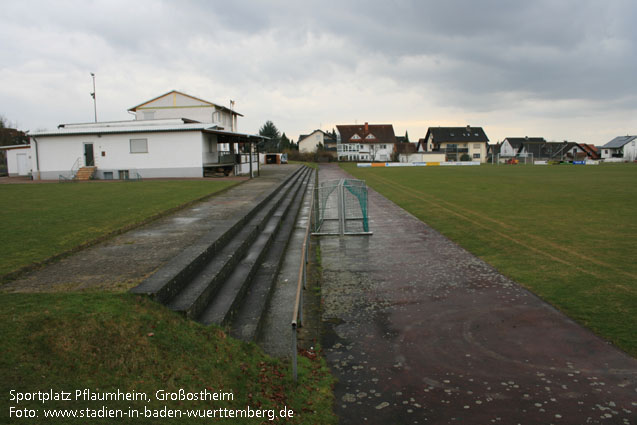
[463, 55]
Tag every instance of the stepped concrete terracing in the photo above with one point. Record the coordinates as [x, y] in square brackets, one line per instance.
[226, 277]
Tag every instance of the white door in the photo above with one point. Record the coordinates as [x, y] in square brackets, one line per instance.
[23, 165]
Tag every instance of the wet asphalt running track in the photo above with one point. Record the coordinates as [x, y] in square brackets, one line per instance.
[419, 331]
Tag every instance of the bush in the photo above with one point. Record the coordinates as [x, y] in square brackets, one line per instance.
[320, 156]
[465, 157]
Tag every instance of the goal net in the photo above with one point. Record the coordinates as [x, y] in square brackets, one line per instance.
[340, 208]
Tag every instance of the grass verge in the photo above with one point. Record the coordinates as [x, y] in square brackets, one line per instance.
[46, 220]
[107, 342]
[567, 233]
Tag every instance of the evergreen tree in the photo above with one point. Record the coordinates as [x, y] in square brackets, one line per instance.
[285, 144]
[269, 130]
[406, 137]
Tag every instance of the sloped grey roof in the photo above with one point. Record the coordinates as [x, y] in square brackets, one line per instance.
[457, 134]
[620, 141]
[516, 142]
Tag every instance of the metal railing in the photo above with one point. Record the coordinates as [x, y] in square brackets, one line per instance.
[225, 157]
[297, 317]
[133, 176]
[74, 169]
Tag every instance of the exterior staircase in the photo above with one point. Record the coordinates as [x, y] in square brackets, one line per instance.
[85, 173]
[227, 278]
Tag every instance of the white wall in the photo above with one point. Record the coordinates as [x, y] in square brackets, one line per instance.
[13, 156]
[210, 148]
[421, 157]
[376, 153]
[170, 154]
[630, 151]
[311, 142]
[506, 149]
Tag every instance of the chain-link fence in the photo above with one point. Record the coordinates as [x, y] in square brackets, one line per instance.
[340, 208]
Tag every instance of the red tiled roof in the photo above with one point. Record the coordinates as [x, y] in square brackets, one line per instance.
[381, 133]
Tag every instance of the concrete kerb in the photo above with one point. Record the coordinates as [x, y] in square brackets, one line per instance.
[52, 259]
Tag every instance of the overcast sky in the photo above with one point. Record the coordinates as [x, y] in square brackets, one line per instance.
[559, 69]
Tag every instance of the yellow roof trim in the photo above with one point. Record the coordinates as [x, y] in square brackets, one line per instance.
[176, 107]
[174, 93]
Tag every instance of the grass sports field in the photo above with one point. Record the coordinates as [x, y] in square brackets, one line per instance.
[43, 220]
[109, 341]
[567, 233]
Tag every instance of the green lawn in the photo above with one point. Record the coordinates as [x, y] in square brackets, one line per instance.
[106, 341]
[43, 220]
[568, 233]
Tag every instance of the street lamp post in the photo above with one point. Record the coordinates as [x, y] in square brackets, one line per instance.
[93, 96]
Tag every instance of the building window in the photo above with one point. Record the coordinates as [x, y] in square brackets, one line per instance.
[476, 146]
[108, 175]
[476, 156]
[123, 174]
[138, 145]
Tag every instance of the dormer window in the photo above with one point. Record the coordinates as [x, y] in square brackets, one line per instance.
[370, 137]
[355, 137]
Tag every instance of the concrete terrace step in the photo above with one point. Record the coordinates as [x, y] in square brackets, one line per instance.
[197, 294]
[171, 278]
[247, 322]
[231, 295]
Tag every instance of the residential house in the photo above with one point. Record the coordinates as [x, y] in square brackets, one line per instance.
[455, 142]
[318, 139]
[170, 146]
[493, 151]
[515, 146]
[539, 149]
[408, 152]
[366, 142]
[622, 147]
[589, 150]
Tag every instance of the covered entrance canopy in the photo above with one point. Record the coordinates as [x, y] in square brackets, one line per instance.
[240, 152]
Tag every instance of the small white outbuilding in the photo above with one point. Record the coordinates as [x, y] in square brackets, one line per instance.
[18, 160]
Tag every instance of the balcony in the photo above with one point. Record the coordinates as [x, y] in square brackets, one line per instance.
[456, 150]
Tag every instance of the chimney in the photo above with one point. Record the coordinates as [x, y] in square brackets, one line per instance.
[468, 128]
[366, 127]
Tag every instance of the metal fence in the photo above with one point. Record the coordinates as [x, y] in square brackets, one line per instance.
[341, 208]
[297, 315]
